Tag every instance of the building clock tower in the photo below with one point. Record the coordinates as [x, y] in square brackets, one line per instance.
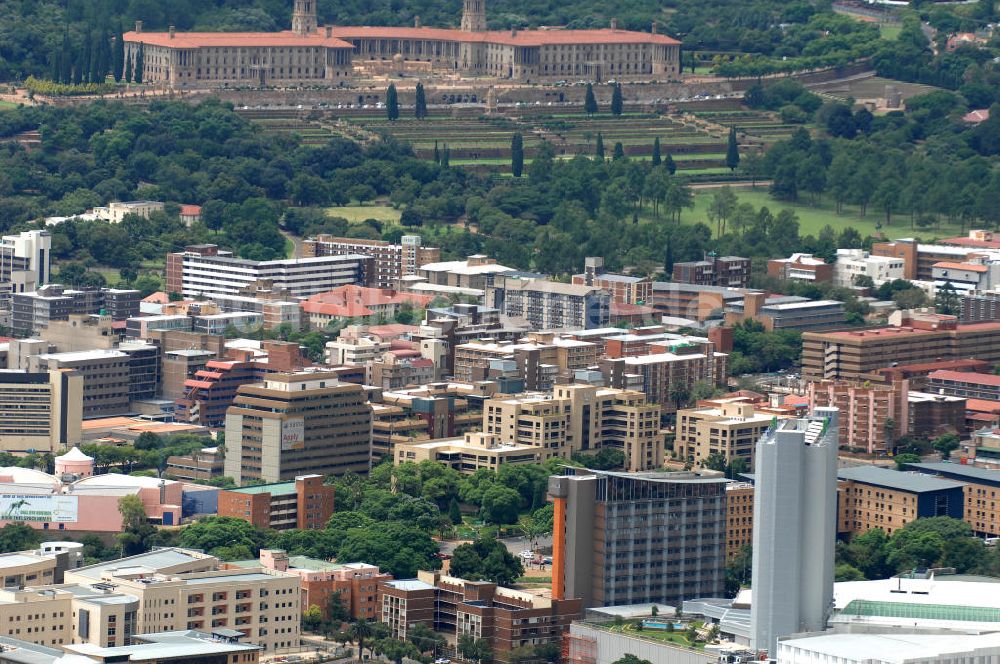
[474, 15]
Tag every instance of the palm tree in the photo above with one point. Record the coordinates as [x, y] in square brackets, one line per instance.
[361, 630]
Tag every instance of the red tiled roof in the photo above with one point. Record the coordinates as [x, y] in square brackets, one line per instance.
[983, 405]
[967, 377]
[888, 332]
[159, 297]
[971, 242]
[977, 116]
[190, 210]
[392, 330]
[349, 310]
[981, 417]
[235, 39]
[972, 267]
[342, 33]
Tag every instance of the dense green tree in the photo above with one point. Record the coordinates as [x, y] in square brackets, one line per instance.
[516, 154]
[392, 102]
[617, 105]
[118, 66]
[599, 149]
[18, 537]
[218, 532]
[590, 101]
[454, 513]
[420, 105]
[619, 151]
[732, 151]
[486, 559]
[140, 64]
[669, 164]
[656, 159]
[629, 658]
[361, 630]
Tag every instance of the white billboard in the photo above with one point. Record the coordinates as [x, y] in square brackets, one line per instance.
[293, 434]
[52, 509]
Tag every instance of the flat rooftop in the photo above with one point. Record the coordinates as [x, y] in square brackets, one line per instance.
[155, 560]
[972, 474]
[276, 489]
[894, 479]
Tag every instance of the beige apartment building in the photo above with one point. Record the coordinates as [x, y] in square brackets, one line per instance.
[468, 454]
[729, 428]
[179, 589]
[296, 424]
[391, 261]
[580, 418]
[40, 411]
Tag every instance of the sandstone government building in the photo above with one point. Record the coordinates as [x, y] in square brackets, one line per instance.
[312, 55]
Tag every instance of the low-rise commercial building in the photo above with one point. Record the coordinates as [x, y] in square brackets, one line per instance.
[856, 264]
[358, 302]
[506, 619]
[631, 538]
[305, 503]
[354, 584]
[894, 648]
[876, 497]
[468, 454]
[201, 466]
[965, 384]
[477, 273]
[982, 506]
[181, 589]
[800, 267]
[786, 312]
[727, 271]
[693, 302]
[296, 423]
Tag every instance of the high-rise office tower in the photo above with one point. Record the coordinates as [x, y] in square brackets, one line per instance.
[794, 533]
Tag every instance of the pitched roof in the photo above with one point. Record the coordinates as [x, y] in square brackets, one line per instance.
[966, 377]
[972, 267]
[234, 39]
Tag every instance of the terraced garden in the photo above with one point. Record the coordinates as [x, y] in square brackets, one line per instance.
[696, 141]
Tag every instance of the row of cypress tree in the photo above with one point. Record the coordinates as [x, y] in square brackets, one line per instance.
[98, 54]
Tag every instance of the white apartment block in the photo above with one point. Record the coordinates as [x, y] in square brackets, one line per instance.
[205, 271]
[854, 263]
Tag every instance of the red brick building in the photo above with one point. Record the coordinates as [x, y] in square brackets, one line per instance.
[305, 503]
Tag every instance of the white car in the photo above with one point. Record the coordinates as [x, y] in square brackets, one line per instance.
[527, 555]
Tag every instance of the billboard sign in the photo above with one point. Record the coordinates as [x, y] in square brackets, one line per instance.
[52, 509]
[293, 434]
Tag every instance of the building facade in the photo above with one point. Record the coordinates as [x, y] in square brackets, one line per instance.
[874, 497]
[305, 503]
[506, 619]
[308, 54]
[726, 271]
[205, 271]
[794, 528]
[40, 412]
[391, 261]
[727, 429]
[548, 305]
[624, 538]
[297, 423]
[580, 418]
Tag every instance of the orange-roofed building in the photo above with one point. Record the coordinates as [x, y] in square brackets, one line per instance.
[314, 55]
[913, 337]
[359, 302]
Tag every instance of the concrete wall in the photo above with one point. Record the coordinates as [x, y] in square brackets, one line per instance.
[612, 646]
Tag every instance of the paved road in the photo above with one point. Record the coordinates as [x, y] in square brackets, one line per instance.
[514, 544]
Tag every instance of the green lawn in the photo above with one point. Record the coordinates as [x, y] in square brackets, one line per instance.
[813, 218]
[359, 213]
[7, 105]
[890, 31]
